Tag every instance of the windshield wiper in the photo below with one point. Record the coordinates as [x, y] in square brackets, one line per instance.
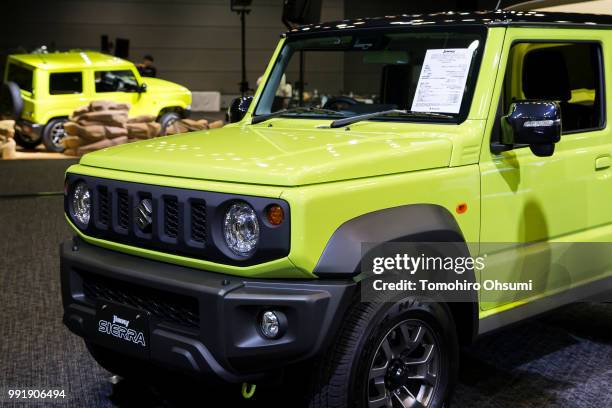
[358, 118]
[266, 116]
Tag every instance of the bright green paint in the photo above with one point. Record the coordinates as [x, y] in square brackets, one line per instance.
[40, 107]
[330, 176]
[318, 210]
[562, 198]
[69, 61]
[179, 182]
[291, 152]
[279, 268]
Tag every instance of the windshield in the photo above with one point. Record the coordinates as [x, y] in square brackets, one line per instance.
[428, 73]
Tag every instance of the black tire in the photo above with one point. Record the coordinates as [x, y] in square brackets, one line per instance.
[342, 376]
[166, 120]
[53, 133]
[11, 102]
[26, 141]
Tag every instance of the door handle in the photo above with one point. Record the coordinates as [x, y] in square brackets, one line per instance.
[603, 162]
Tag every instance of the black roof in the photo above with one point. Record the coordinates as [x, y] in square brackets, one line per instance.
[453, 18]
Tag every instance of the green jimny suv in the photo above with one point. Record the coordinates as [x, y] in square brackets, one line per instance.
[236, 254]
[44, 89]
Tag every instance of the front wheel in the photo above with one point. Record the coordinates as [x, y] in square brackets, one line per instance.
[390, 355]
[26, 141]
[53, 134]
[166, 120]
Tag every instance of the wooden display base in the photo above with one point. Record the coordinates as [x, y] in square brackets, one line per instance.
[38, 153]
[30, 155]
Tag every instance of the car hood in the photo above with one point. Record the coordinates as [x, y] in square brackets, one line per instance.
[283, 155]
[157, 85]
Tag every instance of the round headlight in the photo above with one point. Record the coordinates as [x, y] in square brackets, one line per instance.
[80, 209]
[241, 229]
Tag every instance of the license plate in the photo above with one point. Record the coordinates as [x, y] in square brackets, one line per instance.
[123, 328]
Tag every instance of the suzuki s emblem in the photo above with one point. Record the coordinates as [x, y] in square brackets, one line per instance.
[144, 213]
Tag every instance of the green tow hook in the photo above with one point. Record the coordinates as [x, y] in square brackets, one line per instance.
[248, 390]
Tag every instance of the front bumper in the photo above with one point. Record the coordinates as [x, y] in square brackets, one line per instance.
[203, 323]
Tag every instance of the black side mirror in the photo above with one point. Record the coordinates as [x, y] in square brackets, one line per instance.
[238, 108]
[142, 88]
[533, 123]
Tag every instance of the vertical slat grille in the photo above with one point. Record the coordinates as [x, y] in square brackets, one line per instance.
[169, 220]
[171, 217]
[198, 221]
[103, 206]
[123, 210]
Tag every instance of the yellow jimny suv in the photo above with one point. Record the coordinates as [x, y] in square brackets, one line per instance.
[44, 89]
[241, 254]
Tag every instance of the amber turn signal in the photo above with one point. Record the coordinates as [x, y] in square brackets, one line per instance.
[461, 208]
[275, 214]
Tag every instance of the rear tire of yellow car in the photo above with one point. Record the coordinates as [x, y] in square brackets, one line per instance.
[348, 375]
[52, 135]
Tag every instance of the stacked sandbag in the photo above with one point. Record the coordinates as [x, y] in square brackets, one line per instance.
[103, 124]
[142, 127]
[190, 125]
[8, 148]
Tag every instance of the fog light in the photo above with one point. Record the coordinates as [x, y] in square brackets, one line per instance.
[272, 324]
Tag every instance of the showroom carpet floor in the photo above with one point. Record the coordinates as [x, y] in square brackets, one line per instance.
[562, 360]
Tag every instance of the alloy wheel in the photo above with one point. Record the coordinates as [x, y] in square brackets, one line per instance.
[406, 366]
[57, 133]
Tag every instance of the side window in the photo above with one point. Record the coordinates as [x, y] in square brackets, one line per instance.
[21, 76]
[568, 73]
[65, 83]
[115, 81]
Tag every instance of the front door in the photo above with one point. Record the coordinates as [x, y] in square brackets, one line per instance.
[530, 203]
[119, 85]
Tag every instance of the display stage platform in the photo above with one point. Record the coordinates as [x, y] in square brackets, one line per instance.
[26, 177]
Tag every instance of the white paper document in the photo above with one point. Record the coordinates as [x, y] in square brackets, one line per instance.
[442, 80]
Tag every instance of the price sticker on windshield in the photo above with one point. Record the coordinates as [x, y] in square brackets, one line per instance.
[442, 80]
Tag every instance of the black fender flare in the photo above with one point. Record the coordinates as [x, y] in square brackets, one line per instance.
[408, 223]
[425, 223]
[11, 99]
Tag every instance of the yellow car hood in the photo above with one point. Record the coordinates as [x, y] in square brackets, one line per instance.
[295, 154]
[156, 85]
